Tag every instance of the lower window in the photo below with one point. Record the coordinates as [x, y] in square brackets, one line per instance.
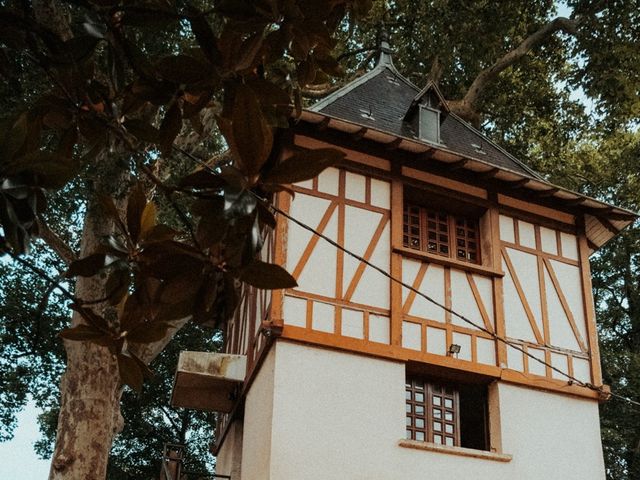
[446, 413]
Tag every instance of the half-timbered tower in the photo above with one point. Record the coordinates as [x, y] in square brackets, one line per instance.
[469, 351]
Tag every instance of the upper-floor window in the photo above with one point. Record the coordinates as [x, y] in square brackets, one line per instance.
[441, 233]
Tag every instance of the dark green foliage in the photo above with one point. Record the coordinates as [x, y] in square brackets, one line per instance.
[131, 83]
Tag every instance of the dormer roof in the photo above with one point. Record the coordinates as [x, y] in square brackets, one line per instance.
[430, 88]
[378, 106]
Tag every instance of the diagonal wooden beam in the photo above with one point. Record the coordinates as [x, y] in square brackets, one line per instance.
[306, 254]
[483, 311]
[416, 284]
[367, 256]
[523, 299]
[565, 305]
[608, 225]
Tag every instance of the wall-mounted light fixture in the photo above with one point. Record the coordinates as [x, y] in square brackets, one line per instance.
[454, 349]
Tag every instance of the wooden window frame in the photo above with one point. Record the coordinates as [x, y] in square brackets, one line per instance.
[422, 227]
[432, 412]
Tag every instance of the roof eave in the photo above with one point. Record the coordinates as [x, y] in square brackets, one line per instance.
[608, 220]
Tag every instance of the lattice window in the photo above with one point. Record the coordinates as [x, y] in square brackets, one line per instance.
[441, 233]
[432, 412]
[467, 239]
[411, 227]
[437, 233]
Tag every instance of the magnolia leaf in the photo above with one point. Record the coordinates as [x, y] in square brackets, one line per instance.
[82, 333]
[87, 266]
[183, 69]
[212, 228]
[268, 93]
[252, 136]
[52, 170]
[14, 139]
[204, 35]
[148, 219]
[267, 275]
[131, 312]
[306, 71]
[76, 49]
[110, 209]
[203, 179]
[158, 233]
[248, 52]
[93, 319]
[148, 332]
[117, 285]
[181, 287]
[266, 216]
[130, 372]
[135, 207]
[297, 102]
[147, 373]
[170, 128]
[303, 166]
[142, 130]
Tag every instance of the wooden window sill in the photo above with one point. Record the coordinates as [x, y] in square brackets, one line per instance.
[464, 452]
[448, 262]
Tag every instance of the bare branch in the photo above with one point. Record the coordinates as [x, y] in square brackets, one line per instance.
[56, 243]
[435, 74]
[319, 93]
[467, 107]
[352, 53]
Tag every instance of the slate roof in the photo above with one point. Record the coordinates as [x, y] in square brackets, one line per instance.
[380, 99]
[380, 106]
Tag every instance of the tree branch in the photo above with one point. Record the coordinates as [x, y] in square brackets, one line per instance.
[319, 92]
[56, 243]
[467, 108]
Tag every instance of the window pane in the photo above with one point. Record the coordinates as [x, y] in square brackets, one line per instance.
[448, 428]
[449, 440]
[419, 409]
[437, 439]
[420, 436]
[437, 426]
[419, 423]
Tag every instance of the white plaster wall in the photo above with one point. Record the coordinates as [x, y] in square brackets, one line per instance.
[551, 436]
[340, 416]
[258, 418]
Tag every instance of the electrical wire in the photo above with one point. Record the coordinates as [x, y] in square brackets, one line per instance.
[571, 379]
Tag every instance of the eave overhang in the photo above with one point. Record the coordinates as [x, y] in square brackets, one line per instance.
[602, 221]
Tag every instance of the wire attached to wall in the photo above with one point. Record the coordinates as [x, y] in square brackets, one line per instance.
[571, 379]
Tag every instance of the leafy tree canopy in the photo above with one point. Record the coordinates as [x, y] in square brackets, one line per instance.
[108, 107]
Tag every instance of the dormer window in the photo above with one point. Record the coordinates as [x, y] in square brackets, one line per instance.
[429, 124]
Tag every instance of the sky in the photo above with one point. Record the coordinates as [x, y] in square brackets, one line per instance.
[19, 461]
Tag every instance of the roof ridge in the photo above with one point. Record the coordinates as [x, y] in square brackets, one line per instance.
[374, 72]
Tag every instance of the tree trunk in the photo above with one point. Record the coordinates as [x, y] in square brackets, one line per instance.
[90, 387]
